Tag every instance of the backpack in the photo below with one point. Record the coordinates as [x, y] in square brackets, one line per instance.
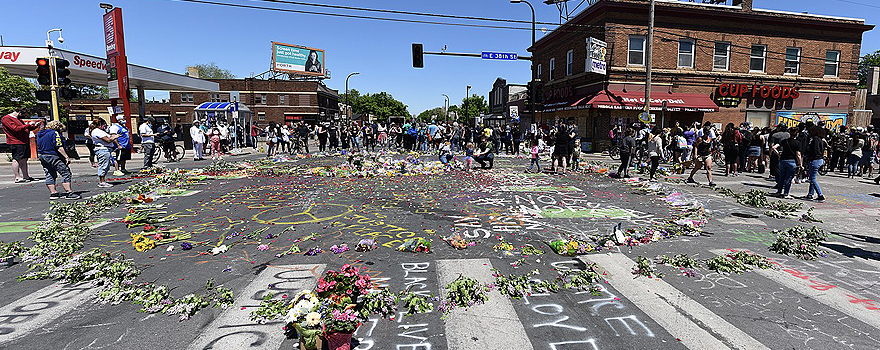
[681, 142]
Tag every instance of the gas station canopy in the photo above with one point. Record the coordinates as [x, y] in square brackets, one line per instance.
[88, 69]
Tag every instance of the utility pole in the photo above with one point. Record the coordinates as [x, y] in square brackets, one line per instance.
[650, 49]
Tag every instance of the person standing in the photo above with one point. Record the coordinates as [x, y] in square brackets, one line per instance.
[790, 163]
[703, 156]
[840, 143]
[18, 140]
[123, 152]
[303, 131]
[323, 135]
[104, 142]
[731, 138]
[55, 161]
[216, 137]
[856, 144]
[627, 146]
[148, 141]
[535, 150]
[655, 150]
[198, 140]
[779, 135]
[815, 158]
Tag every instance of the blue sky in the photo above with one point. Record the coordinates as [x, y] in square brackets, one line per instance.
[170, 35]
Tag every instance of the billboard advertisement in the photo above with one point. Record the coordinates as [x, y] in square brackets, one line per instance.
[832, 121]
[297, 59]
[596, 62]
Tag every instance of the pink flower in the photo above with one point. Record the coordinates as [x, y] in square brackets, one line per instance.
[263, 247]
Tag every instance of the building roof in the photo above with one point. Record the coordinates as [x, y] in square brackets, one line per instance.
[88, 69]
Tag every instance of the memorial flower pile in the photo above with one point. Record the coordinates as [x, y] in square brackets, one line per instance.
[800, 242]
[415, 245]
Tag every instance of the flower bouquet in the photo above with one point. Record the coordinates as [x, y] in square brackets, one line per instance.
[303, 321]
[365, 245]
[141, 243]
[571, 247]
[458, 243]
[8, 252]
[415, 245]
[139, 199]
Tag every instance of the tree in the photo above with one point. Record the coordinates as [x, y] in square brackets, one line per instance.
[15, 92]
[475, 104]
[431, 114]
[865, 64]
[212, 71]
[94, 92]
[382, 105]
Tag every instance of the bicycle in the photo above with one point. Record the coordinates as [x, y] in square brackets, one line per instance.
[173, 153]
[614, 153]
[297, 145]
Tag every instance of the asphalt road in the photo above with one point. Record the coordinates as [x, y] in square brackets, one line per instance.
[831, 303]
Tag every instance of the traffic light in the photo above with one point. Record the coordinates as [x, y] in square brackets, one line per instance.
[68, 93]
[62, 72]
[44, 73]
[418, 56]
[43, 95]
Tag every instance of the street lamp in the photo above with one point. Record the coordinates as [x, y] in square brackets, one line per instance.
[533, 16]
[347, 105]
[446, 108]
[49, 43]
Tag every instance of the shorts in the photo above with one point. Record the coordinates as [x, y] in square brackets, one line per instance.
[124, 154]
[754, 151]
[867, 158]
[53, 166]
[20, 152]
[704, 159]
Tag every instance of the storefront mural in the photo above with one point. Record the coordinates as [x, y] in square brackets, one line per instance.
[832, 121]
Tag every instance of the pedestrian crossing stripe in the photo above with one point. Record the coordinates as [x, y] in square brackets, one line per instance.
[672, 309]
[865, 310]
[233, 328]
[493, 325]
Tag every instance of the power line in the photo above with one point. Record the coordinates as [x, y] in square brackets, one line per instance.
[859, 3]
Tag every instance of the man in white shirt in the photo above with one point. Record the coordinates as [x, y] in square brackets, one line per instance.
[148, 141]
[198, 139]
[224, 138]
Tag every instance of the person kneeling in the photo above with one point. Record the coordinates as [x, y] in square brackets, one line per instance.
[484, 154]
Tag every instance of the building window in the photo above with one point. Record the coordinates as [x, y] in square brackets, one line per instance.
[792, 60]
[569, 62]
[186, 97]
[552, 68]
[261, 116]
[721, 57]
[758, 58]
[281, 99]
[258, 99]
[263, 98]
[686, 53]
[758, 118]
[215, 97]
[636, 50]
[540, 68]
[832, 63]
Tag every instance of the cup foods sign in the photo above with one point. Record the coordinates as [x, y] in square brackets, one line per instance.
[758, 91]
[596, 56]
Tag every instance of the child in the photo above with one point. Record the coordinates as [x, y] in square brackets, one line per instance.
[215, 143]
[469, 156]
[535, 150]
[576, 155]
[445, 153]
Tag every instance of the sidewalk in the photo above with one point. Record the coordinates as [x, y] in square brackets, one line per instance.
[852, 206]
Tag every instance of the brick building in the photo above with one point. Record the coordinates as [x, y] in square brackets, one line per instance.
[269, 100]
[718, 63]
[505, 95]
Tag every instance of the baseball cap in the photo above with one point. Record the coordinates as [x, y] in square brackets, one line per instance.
[120, 117]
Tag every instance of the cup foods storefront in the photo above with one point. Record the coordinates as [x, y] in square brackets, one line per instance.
[597, 111]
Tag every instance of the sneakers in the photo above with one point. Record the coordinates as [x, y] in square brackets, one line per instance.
[105, 185]
[72, 196]
[691, 180]
[55, 196]
[820, 199]
[712, 184]
[118, 173]
[807, 198]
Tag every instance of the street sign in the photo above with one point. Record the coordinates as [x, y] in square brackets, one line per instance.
[504, 56]
[514, 113]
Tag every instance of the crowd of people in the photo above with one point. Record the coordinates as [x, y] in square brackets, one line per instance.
[792, 154]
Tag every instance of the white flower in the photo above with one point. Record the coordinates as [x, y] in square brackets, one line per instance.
[220, 249]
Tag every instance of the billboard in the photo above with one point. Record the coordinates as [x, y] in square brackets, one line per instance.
[832, 121]
[596, 62]
[297, 59]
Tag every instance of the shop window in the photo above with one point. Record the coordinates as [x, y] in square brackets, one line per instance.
[636, 50]
[760, 119]
[569, 62]
[758, 58]
[832, 63]
[721, 57]
[793, 60]
[686, 53]
[552, 68]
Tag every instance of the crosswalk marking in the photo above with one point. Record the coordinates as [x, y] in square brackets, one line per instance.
[845, 301]
[672, 309]
[493, 325]
[233, 329]
[41, 307]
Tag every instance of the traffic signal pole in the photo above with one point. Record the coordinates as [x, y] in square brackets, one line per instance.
[54, 89]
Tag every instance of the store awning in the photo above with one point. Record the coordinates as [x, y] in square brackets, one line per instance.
[220, 106]
[675, 102]
[567, 105]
